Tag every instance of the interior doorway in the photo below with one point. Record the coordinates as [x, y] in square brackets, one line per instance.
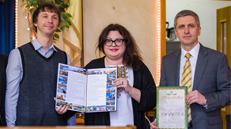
[224, 46]
[223, 31]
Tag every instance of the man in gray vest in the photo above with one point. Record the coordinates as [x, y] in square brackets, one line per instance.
[32, 74]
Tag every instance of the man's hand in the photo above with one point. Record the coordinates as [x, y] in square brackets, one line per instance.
[153, 125]
[61, 110]
[195, 97]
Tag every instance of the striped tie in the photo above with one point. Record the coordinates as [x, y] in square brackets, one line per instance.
[186, 79]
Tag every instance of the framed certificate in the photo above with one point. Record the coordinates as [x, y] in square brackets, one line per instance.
[171, 107]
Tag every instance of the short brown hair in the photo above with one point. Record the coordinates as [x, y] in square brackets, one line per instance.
[46, 7]
[187, 13]
[131, 57]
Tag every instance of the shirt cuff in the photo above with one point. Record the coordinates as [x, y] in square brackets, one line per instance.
[206, 105]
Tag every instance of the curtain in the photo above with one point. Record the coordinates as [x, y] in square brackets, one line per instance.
[7, 26]
[72, 37]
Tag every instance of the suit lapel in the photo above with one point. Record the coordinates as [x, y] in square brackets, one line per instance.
[176, 67]
[200, 66]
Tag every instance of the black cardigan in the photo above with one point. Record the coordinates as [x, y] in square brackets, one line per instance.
[3, 64]
[144, 82]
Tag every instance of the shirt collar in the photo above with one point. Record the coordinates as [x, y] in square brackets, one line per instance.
[194, 52]
[38, 46]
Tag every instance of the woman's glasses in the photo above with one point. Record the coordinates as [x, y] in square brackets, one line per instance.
[118, 42]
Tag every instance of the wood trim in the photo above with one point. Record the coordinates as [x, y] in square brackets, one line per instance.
[163, 28]
[223, 20]
[82, 53]
[223, 15]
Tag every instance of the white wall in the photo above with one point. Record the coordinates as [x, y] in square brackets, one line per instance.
[206, 10]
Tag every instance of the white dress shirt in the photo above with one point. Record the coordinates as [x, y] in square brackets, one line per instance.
[193, 60]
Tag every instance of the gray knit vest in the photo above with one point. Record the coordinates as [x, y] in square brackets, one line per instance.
[36, 105]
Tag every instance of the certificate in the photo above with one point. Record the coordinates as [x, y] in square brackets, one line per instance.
[171, 108]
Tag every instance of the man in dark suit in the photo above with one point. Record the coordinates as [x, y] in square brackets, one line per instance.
[209, 74]
[3, 63]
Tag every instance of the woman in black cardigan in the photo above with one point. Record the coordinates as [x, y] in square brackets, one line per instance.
[138, 90]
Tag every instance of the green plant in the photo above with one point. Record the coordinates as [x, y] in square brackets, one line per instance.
[31, 5]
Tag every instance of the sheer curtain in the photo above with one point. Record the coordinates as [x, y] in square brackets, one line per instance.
[7, 26]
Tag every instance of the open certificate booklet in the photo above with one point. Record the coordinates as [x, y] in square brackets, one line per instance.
[86, 90]
[171, 107]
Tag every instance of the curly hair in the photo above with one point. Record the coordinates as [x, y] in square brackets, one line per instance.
[131, 57]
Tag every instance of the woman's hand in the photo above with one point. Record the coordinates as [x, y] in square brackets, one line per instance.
[133, 92]
[123, 83]
[153, 125]
[61, 110]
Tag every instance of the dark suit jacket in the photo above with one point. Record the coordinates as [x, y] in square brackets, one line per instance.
[212, 79]
[3, 63]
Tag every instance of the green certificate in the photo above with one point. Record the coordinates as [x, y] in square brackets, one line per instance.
[171, 108]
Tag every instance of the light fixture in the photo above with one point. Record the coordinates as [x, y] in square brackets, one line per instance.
[16, 23]
[159, 41]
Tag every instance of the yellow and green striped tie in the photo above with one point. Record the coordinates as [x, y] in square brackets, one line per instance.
[187, 79]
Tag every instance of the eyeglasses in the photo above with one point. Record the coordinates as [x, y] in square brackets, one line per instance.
[118, 42]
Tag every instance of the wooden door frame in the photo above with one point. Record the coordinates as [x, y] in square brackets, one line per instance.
[222, 16]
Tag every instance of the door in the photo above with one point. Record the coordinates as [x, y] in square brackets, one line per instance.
[223, 31]
[224, 44]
